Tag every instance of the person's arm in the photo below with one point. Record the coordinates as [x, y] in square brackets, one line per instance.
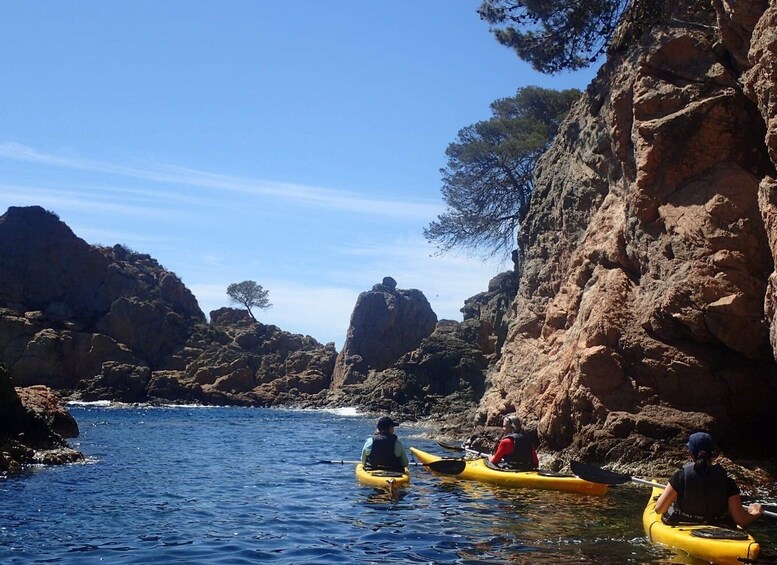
[505, 447]
[741, 515]
[535, 458]
[399, 451]
[366, 450]
[666, 499]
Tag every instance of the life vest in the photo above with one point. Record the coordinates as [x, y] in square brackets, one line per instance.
[702, 496]
[521, 457]
[382, 453]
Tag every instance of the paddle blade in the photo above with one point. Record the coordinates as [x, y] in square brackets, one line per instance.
[595, 474]
[450, 447]
[447, 466]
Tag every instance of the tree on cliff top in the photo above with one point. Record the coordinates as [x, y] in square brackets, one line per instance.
[554, 35]
[487, 183]
[249, 294]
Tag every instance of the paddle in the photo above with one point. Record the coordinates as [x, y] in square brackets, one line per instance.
[444, 466]
[460, 449]
[598, 475]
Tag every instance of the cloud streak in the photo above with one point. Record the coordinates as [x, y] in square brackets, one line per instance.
[315, 197]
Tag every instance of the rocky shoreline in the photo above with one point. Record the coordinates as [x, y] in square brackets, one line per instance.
[47, 424]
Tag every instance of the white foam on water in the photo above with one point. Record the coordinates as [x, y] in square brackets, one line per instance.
[345, 411]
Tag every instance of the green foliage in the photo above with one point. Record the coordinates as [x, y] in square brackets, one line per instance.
[554, 35]
[487, 183]
[249, 294]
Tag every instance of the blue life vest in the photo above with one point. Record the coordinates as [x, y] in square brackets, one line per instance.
[382, 453]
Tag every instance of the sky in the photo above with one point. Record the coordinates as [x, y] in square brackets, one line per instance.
[295, 144]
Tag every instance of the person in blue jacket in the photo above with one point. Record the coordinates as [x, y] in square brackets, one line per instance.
[384, 450]
[701, 492]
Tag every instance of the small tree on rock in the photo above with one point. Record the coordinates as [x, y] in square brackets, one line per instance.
[249, 294]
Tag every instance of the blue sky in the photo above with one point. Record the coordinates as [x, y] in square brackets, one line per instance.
[296, 144]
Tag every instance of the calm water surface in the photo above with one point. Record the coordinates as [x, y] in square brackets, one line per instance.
[240, 485]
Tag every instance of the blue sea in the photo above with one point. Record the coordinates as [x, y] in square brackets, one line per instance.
[244, 485]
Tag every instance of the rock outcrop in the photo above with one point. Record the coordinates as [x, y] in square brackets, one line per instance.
[647, 281]
[67, 308]
[107, 323]
[29, 423]
[385, 324]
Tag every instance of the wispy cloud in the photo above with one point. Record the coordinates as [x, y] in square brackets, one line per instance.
[25, 195]
[193, 178]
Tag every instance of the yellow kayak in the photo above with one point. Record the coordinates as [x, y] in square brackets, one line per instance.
[476, 470]
[382, 479]
[696, 541]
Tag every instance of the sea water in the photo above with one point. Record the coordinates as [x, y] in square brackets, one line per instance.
[243, 485]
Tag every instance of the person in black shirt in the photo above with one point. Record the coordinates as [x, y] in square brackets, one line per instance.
[702, 492]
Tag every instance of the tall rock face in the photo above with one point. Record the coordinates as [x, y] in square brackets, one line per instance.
[385, 324]
[647, 283]
[67, 306]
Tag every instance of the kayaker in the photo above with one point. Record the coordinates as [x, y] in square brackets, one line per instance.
[515, 449]
[384, 450]
[702, 492]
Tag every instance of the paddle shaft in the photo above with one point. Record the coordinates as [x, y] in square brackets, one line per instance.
[766, 513]
[346, 462]
[445, 466]
[597, 474]
[646, 482]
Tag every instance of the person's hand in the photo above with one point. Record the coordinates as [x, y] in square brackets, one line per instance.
[755, 509]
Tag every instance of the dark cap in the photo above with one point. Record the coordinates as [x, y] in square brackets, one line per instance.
[385, 423]
[700, 442]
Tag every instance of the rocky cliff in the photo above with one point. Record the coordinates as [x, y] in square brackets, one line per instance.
[107, 323]
[646, 300]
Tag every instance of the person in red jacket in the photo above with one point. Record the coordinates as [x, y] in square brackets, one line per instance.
[515, 450]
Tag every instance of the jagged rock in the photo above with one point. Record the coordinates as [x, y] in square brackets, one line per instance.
[644, 257]
[491, 310]
[103, 321]
[26, 433]
[57, 293]
[230, 317]
[386, 323]
[120, 382]
[47, 405]
[440, 381]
